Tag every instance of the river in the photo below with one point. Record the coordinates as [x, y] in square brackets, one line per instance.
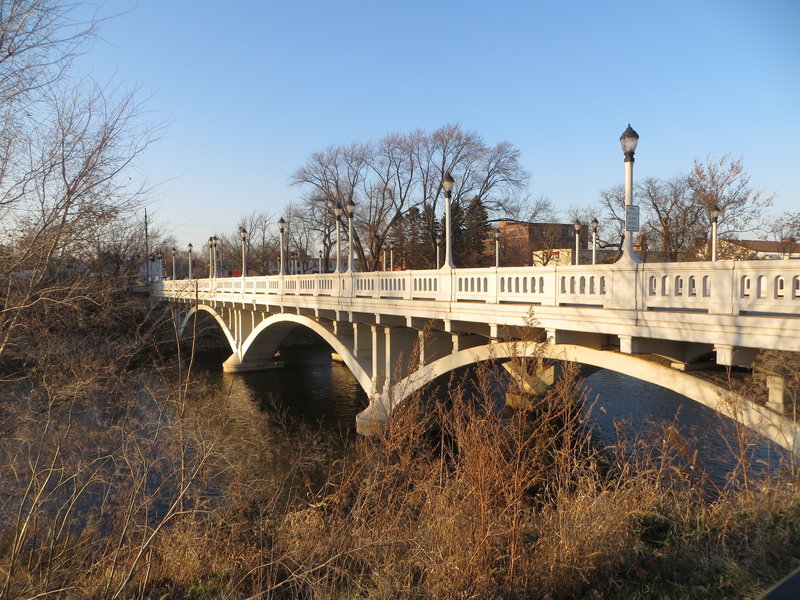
[318, 391]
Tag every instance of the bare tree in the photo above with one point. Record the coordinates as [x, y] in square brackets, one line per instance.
[530, 209]
[676, 222]
[785, 229]
[611, 232]
[404, 172]
[724, 183]
[61, 184]
[676, 212]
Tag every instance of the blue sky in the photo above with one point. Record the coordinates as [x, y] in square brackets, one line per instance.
[249, 89]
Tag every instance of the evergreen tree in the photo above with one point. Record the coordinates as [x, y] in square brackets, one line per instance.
[469, 227]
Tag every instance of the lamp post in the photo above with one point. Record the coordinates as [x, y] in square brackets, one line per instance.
[319, 269]
[282, 228]
[629, 139]
[243, 235]
[447, 183]
[210, 257]
[160, 257]
[293, 263]
[577, 226]
[385, 247]
[391, 256]
[594, 240]
[496, 236]
[191, 265]
[714, 212]
[337, 211]
[212, 252]
[351, 208]
[216, 257]
[174, 250]
[438, 247]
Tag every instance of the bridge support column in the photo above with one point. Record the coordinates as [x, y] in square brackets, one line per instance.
[464, 341]
[362, 340]
[433, 345]
[379, 341]
[731, 355]
[399, 350]
[780, 395]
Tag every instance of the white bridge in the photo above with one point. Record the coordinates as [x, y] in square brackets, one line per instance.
[603, 315]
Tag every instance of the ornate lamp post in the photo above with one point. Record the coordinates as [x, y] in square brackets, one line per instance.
[243, 235]
[216, 257]
[174, 250]
[212, 257]
[337, 211]
[496, 237]
[577, 226]
[282, 228]
[293, 262]
[714, 213]
[447, 183]
[594, 240]
[351, 208]
[629, 139]
[319, 269]
[438, 247]
[191, 265]
[385, 248]
[391, 256]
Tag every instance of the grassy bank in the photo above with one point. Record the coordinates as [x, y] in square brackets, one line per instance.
[140, 484]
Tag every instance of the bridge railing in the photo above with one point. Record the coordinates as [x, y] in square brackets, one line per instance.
[723, 287]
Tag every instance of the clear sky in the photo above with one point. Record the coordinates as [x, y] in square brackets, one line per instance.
[249, 89]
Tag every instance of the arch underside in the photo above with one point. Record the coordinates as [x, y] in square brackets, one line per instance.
[265, 338]
[765, 422]
[226, 330]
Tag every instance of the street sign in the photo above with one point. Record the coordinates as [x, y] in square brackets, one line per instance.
[632, 218]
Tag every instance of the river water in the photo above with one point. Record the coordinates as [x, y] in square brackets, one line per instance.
[316, 390]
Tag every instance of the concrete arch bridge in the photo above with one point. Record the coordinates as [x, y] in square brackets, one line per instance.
[399, 330]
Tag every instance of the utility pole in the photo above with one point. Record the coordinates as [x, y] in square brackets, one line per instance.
[146, 246]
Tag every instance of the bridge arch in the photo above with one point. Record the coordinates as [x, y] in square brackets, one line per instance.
[265, 338]
[763, 421]
[184, 322]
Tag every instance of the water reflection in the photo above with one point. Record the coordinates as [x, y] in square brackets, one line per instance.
[310, 387]
[645, 408]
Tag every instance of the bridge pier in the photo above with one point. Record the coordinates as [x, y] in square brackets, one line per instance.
[234, 364]
[373, 419]
[531, 379]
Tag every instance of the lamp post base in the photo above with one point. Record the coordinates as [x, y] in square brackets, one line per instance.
[630, 258]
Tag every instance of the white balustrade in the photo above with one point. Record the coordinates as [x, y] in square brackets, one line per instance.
[723, 287]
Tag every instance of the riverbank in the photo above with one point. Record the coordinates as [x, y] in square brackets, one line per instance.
[147, 484]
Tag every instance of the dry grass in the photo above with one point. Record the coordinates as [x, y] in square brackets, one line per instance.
[455, 500]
